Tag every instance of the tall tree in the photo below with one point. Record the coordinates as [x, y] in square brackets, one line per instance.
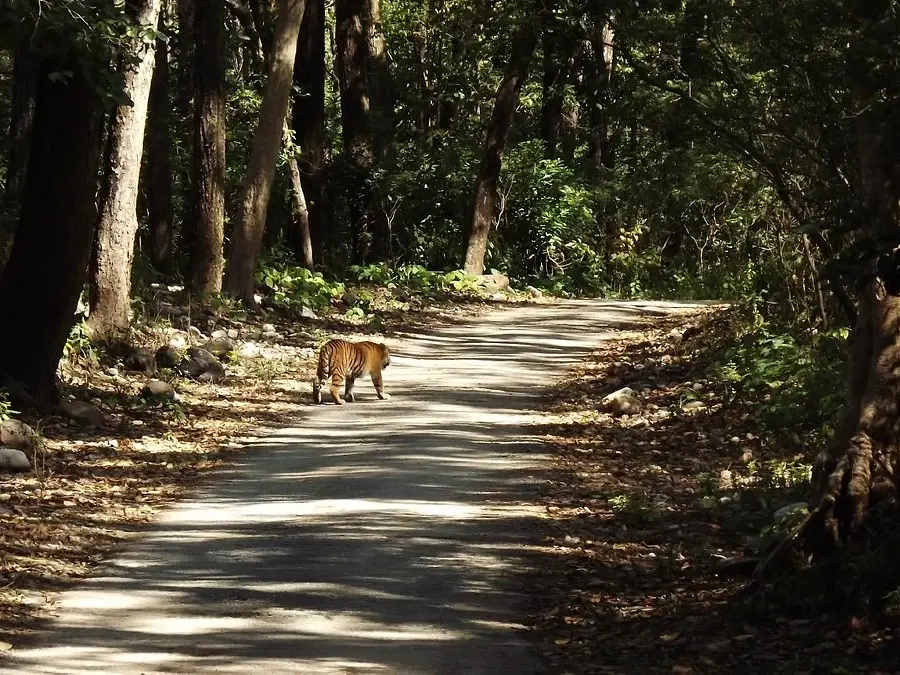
[351, 53]
[484, 195]
[308, 118]
[25, 75]
[556, 53]
[48, 263]
[110, 280]
[206, 244]
[257, 187]
[158, 165]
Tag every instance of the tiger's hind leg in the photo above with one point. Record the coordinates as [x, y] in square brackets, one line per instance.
[348, 389]
[379, 387]
[336, 382]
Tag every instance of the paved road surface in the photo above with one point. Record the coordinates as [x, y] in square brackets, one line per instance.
[381, 537]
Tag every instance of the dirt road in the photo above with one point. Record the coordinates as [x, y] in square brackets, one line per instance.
[377, 537]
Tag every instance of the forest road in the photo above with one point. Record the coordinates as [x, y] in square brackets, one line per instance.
[378, 537]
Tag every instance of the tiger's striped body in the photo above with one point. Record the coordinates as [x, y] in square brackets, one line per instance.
[341, 360]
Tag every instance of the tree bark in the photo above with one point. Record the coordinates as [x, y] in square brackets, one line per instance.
[356, 127]
[300, 212]
[208, 226]
[110, 282]
[557, 57]
[158, 166]
[308, 117]
[254, 201]
[485, 192]
[48, 264]
[26, 65]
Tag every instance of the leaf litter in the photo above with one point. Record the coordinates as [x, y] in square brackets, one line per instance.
[644, 508]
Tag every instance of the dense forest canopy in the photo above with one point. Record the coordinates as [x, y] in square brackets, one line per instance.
[744, 151]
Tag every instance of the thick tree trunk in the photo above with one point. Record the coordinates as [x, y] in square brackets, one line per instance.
[208, 221]
[110, 283]
[48, 264]
[158, 166]
[557, 55]
[254, 202]
[381, 88]
[485, 192]
[308, 117]
[356, 126]
[857, 472]
[25, 76]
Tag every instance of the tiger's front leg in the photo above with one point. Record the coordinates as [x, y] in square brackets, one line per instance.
[348, 390]
[379, 387]
[336, 383]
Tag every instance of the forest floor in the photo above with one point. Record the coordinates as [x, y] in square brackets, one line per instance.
[644, 508]
[647, 509]
[94, 487]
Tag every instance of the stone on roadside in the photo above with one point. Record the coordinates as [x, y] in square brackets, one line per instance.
[140, 360]
[220, 347]
[693, 405]
[83, 413]
[14, 460]
[18, 435]
[168, 356]
[307, 313]
[159, 389]
[623, 401]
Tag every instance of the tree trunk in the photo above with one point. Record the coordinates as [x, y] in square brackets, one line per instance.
[356, 126]
[208, 226]
[254, 201]
[48, 264]
[300, 213]
[557, 57]
[485, 192]
[25, 76]
[110, 282]
[158, 166]
[379, 74]
[308, 116]
[857, 472]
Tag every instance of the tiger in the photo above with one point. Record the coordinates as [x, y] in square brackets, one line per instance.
[343, 360]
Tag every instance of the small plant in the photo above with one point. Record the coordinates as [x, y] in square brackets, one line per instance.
[6, 410]
[78, 344]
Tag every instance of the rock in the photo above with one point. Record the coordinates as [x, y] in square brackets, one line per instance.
[726, 480]
[623, 401]
[14, 460]
[534, 292]
[350, 299]
[791, 509]
[18, 435]
[202, 365]
[159, 389]
[736, 566]
[249, 350]
[497, 297]
[693, 405]
[307, 313]
[112, 372]
[493, 282]
[268, 328]
[232, 334]
[140, 360]
[220, 347]
[195, 333]
[83, 413]
[178, 341]
[168, 356]
[181, 322]
[215, 372]
[216, 334]
[675, 334]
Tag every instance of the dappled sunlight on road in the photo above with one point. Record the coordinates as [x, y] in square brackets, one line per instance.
[380, 536]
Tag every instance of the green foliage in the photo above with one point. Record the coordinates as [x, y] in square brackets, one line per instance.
[292, 285]
[78, 344]
[799, 383]
[415, 278]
